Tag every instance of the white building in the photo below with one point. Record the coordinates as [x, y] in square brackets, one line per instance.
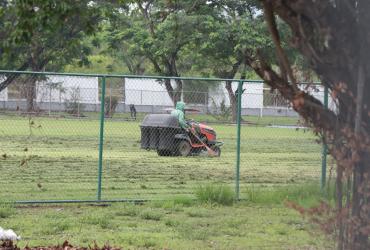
[4, 92]
[68, 88]
[251, 98]
[153, 93]
[4, 95]
[146, 92]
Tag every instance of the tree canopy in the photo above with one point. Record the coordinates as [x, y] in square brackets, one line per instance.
[45, 35]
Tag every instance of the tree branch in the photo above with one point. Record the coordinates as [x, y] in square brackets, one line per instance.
[302, 102]
[146, 15]
[270, 19]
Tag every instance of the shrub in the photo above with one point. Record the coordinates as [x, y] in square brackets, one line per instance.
[217, 194]
[110, 104]
[72, 104]
[221, 112]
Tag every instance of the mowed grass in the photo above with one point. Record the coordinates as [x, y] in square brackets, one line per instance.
[173, 224]
[49, 158]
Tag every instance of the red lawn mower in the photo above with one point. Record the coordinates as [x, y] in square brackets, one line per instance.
[162, 133]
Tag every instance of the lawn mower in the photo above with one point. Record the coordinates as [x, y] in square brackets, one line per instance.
[161, 132]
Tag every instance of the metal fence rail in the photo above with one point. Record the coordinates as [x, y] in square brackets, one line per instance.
[78, 138]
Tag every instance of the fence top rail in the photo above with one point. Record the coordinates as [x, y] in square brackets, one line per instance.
[125, 76]
[138, 76]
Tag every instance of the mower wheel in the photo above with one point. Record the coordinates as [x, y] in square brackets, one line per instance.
[164, 153]
[183, 148]
[217, 150]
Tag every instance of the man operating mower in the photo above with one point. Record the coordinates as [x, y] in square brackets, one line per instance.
[195, 130]
[179, 112]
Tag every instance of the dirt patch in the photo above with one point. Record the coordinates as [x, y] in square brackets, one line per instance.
[8, 245]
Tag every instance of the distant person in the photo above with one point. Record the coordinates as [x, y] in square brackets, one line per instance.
[133, 111]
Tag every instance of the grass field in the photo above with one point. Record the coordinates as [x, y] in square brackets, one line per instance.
[175, 224]
[56, 158]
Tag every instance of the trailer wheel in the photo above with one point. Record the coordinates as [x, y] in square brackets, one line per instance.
[183, 148]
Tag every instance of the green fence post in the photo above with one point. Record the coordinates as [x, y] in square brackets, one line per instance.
[101, 138]
[324, 147]
[239, 113]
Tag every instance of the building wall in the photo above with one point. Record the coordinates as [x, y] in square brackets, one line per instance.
[68, 88]
[146, 92]
[251, 98]
[4, 95]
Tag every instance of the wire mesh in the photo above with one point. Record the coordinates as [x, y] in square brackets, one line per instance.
[48, 142]
[149, 155]
[277, 146]
[49, 131]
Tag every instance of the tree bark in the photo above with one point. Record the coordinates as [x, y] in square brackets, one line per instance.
[228, 86]
[174, 93]
[31, 94]
[233, 100]
[360, 240]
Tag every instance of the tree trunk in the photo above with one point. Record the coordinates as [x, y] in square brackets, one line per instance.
[178, 91]
[30, 94]
[360, 207]
[339, 189]
[175, 94]
[233, 100]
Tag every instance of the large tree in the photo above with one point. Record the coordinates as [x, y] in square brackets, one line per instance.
[334, 37]
[233, 31]
[160, 31]
[44, 35]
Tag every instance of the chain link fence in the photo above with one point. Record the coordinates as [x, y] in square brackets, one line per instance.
[98, 137]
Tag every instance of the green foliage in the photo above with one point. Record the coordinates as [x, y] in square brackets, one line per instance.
[46, 35]
[217, 194]
[100, 63]
[231, 33]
